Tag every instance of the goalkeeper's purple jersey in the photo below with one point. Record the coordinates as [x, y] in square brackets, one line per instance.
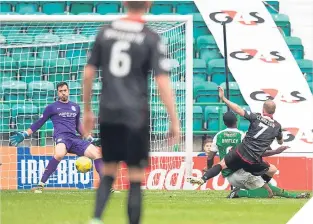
[65, 119]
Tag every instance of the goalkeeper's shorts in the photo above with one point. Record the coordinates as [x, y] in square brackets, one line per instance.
[121, 143]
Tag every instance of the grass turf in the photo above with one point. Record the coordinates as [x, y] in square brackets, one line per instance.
[160, 207]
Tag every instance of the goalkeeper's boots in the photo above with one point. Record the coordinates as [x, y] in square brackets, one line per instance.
[234, 193]
[39, 188]
[304, 195]
[18, 138]
[114, 191]
[195, 180]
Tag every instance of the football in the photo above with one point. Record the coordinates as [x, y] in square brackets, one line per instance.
[83, 164]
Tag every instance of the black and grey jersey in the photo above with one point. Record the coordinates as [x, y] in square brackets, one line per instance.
[126, 51]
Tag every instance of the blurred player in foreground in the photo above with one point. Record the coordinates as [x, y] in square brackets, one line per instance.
[255, 186]
[65, 116]
[247, 155]
[126, 50]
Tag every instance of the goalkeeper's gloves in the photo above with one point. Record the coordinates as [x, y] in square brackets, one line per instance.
[18, 138]
[94, 141]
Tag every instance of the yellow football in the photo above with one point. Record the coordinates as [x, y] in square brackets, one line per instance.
[83, 164]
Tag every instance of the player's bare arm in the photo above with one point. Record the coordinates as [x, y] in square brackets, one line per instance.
[167, 97]
[234, 107]
[88, 117]
[279, 150]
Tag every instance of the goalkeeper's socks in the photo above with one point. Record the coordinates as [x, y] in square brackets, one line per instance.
[256, 193]
[266, 178]
[282, 193]
[210, 173]
[134, 203]
[52, 166]
[98, 165]
[103, 195]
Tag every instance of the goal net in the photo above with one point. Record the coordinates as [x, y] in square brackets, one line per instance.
[37, 52]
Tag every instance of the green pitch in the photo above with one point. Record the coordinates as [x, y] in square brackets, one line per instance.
[160, 207]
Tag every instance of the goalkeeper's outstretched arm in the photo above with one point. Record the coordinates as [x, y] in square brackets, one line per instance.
[20, 136]
[234, 107]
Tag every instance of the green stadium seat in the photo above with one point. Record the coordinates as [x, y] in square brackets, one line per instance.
[283, 22]
[59, 77]
[41, 90]
[295, 46]
[78, 64]
[22, 54]
[161, 124]
[7, 63]
[186, 7]
[76, 46]
[14, 90]
[35, 13]
[64, 30]
[24, 115]
[206, 92]
[234, 93]
[160, 7]
[53, 7]
[9, 13]
[306, 67]
[107, 7]
[47, 38]
[19, 38]
[31, 69]
[9, 30]
[57, 65]
[180, 91]
[79, 7]
[96, 91]
[199, 26]
[272, 6]
[5, 7]
[212, 117]
[197, 118]
[208, 48]
[2, 41]
[63, 13]
[216, 71]
[7, 75]
[26, 7]
[199, 70]
[35, 30]
[75, 91]
[89, 13]
[243, 122]
[5, 117]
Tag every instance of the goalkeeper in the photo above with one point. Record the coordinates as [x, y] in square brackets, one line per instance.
[255, 186]
[64, 115]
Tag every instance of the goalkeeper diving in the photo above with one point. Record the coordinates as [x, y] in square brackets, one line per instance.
[65, 116]
[245, 184]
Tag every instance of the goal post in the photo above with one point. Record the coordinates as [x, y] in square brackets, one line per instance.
[38, 51]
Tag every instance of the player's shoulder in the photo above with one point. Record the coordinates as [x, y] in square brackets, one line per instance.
[277, 124]
[151, 35]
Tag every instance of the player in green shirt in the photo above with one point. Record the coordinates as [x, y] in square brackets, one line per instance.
[255, 186]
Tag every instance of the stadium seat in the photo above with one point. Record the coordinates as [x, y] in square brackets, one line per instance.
[41, 90]
[96, 91]
[35, 30]
[14, 90]
[107, 7]
[283, 22]
[75, 91]
[22, 54]
[79, 7]
[57, 65]
[206, 92]
[272, 6]
[47, 38]
[26, 7]
[89, 13]
[180, 91]
[234, 93]
[295, 46]
[5, 117]
[213, 118]
[7, 63]
[48, 53]
[53, 7]
[197, 118]
[9, 30]
[199, 26]
[208, 48]
[2, 41]
[9, 13]
[161, 124]
[186, 7]
[5, 7]
[78, 64]
[306, 67]
[63, 13]
[76, 45]
[24, 115]
[19, 38]
[199, 70]
[30, 74]
[216, 71]
[243, 122]
[64, 29]
[7, 75]
[160, 7]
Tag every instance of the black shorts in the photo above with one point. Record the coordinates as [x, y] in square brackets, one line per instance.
[235, 161]
[120, 143]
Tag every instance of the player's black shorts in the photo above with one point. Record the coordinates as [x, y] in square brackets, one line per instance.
[235, 161]
[121, 143]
